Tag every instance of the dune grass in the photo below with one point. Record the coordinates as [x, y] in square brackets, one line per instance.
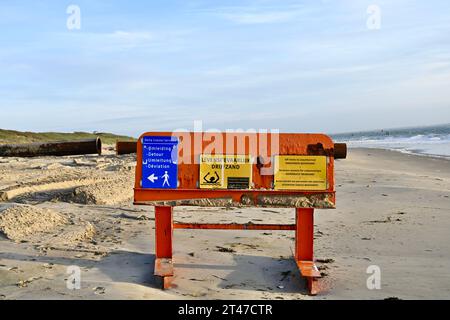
[12, 136]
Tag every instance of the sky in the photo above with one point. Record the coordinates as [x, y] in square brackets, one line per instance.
[297, 66]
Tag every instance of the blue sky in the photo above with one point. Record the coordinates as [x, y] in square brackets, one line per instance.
[296, 66]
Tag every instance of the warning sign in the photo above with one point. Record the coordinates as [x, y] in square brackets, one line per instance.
[225, 172]
[300, 173]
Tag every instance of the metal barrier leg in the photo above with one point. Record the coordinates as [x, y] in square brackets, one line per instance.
[163, 243]
[304, 248]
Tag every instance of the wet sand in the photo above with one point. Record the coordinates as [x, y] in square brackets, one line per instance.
[393, 211]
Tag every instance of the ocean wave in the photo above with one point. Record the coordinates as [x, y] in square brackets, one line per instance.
[388, 139]
[433, 141]
[427, 147]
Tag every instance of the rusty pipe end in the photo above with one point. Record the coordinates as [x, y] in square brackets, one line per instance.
[126, 147]
[340, 150]
[98, 143]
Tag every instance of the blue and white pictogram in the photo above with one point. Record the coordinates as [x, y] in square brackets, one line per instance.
[159, 162]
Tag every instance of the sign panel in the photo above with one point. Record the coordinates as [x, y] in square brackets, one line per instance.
[159, 162]
[300, 173]
[225, 172]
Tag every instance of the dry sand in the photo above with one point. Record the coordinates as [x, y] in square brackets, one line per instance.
[393, 211]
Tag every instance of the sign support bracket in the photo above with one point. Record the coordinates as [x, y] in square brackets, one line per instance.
[303, 255]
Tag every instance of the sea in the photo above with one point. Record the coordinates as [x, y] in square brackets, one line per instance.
[427, 141]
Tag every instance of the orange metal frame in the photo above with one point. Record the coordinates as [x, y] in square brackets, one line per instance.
[188, 175]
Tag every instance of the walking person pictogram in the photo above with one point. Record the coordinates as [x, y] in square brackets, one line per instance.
[166, 179]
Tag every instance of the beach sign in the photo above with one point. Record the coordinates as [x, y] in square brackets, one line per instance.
[225, 172]
[236, 169]
[159, 162]
[300, 173]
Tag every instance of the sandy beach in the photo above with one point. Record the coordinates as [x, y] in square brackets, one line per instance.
[393, 211]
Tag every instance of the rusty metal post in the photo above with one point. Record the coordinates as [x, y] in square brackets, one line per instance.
[126, 147]
[63, 148]
[164, 232]
[304, 248]
[163, 246]
[304, 234]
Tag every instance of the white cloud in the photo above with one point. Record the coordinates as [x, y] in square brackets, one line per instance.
[120, 40]
[131, 36]
[226, 71]
[260, 17]
[264, 14]
[111, 40]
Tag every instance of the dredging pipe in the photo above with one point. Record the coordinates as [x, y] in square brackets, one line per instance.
[63, 148]
[126, 147]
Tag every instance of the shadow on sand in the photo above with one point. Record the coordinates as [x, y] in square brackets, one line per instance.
[249, 272]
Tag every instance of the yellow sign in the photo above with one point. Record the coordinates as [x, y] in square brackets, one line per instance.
[225, 172]
[300, 173]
